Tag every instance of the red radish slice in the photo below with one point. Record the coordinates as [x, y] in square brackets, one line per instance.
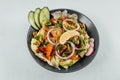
[91, 42]
[90, 51]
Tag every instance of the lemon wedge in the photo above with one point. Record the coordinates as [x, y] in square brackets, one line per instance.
[67, 35]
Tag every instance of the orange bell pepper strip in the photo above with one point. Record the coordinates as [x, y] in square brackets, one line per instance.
[49, 49]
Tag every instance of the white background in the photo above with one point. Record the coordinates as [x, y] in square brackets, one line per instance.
[16, 63]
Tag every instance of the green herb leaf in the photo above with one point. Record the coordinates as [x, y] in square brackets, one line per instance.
[82, 41]
[59, 47]
[46, 43]
[48, 24]
[68, 47]
[63, 55]
[58, 25]
[70, 28]
[39, 37]
[81, 50]
[83, 31]
[73, 40]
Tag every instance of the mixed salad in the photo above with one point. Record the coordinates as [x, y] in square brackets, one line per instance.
[60, 40]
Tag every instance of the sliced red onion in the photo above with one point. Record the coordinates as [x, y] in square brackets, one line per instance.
[78, 26]
[78, 48]
[73, 51]
[48, 34]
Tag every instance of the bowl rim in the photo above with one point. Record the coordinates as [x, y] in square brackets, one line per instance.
[61, 71]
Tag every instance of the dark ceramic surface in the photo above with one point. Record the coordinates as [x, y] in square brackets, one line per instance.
[92, 31]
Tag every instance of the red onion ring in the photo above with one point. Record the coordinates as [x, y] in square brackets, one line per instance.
[49, 38]
[78, 26]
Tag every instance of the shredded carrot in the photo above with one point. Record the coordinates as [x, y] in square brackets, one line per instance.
[49, 51]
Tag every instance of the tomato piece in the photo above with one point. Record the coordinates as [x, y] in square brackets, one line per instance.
[54, 21]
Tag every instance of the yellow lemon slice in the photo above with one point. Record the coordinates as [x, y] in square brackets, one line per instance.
[67, 35]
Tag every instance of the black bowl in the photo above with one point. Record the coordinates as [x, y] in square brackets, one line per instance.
[92, 31]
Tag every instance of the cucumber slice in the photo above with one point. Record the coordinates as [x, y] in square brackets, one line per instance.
[31, 20]
[44, 15]
[36, 17]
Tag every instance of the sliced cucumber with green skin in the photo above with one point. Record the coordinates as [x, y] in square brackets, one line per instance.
[32, 20]
[36, 17]
[44, 15]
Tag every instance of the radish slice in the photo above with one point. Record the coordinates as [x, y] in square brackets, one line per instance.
[78, 26]
[90, 51]
[73, 51]
[91, 42]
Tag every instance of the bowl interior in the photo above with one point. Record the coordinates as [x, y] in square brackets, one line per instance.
[92, 31]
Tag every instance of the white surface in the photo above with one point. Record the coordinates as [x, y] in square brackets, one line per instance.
[16, 63]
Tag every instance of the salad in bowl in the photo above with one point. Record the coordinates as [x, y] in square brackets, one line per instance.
[59, 38]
